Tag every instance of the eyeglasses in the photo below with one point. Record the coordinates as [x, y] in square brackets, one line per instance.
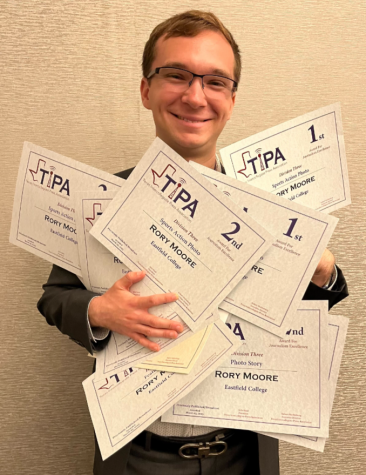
[180, 80]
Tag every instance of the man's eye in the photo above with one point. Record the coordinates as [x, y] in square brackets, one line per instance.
[176, 76]
[217, 83]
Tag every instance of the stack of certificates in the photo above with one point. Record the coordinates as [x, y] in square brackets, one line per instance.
[239, 250]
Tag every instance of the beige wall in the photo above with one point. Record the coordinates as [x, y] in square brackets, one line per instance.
[70, 82]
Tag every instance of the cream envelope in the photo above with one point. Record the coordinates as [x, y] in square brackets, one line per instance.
[181, 358]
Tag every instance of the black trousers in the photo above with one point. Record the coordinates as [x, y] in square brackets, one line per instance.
[241, 457]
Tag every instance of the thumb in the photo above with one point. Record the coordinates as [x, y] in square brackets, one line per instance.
[131, 278]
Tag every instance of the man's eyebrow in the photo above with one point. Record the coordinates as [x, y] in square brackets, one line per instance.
[175, 64]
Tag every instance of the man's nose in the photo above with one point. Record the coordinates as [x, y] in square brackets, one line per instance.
[194, 95]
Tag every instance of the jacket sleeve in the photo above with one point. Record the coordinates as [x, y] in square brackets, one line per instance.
[338, 292]
[64, 303]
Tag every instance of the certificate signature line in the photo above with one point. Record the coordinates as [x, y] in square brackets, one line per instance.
[257, 369]
[289, 182]
[283, 370]
[55, 214]
[180, 243]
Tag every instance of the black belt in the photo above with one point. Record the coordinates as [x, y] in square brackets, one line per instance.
[207, 445]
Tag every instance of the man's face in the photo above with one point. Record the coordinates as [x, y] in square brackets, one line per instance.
[188, 121]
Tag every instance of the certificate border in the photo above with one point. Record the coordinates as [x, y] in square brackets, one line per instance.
[315, 439]
[166, 403]
[274, 423]
[21, 202]
[281, 206]
[85, 232]
[150, 164]
[286, 130]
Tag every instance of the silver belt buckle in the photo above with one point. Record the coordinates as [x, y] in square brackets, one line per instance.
[204, 450]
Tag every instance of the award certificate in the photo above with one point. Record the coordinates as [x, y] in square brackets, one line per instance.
[100, 270]
[270, 294]
[337, 330]
[303, 160]
[43, 220]
[269, 384]
[188, 236]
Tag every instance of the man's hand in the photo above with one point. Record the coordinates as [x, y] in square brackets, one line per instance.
[324, 270]
[121, 311]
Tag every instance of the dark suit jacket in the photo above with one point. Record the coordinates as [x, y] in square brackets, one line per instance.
[64, 304]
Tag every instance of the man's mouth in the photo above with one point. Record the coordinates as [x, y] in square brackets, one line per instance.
[191, 121]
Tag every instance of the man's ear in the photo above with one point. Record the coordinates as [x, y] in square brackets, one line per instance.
[145, 91]
[233, 97]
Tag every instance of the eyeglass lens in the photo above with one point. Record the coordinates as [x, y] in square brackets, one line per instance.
[180, 80]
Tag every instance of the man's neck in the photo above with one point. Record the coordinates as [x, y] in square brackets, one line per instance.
[209, 162]
[206, 158]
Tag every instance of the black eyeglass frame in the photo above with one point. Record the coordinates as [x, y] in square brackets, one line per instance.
[156, 71]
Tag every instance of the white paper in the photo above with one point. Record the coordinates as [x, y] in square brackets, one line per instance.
[43, 220]
[268, 384]
[303, 159]
[270, 294]
[337, 330]
[123, 405]
[176, 229]
[101, 269]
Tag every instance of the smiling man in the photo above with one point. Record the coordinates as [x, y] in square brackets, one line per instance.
[193, 98]
[191, 72]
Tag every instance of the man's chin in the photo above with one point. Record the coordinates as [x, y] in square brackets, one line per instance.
[187, 144]
[190, 141]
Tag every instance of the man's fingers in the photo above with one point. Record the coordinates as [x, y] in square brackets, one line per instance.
[324, 270]
[155, 300]
[156, 332]
[160, 323]
[142, 340]
[131, 278]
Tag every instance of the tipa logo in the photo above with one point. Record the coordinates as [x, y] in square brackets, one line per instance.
[295, 332]
[260, 162]
[182, 181]
[110, 382]
[236, 329]
[97, 211]
[46, 175]
[174, 189]
[156, 175]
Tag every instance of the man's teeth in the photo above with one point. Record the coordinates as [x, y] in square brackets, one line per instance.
[192, 121]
